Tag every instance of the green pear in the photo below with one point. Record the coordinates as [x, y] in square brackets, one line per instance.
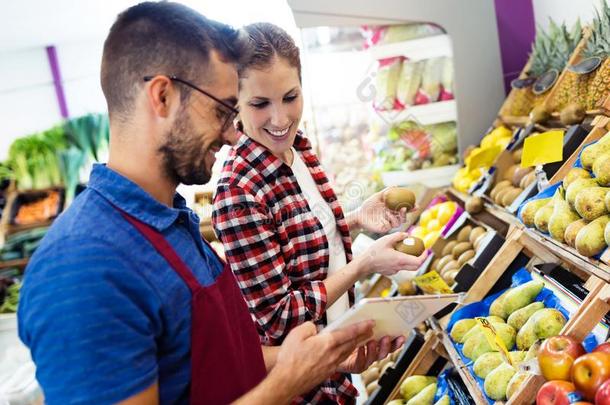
[496, 382]
[532, 352]
[572, 230]
[518, 318]
[424, 397]
[476, 345]
[591, 152]
[497, 307]
[515, 383]
[412, 385]
[601, 169]
[486, 363]
[590, 202]
[528, 213]
[495, 319]
[507, 333]
[444, 400]
[548, 322]
[576, 186]
[590, 239]
[542, 217]
[607, 233]
[563, 215]
[575, 173]
[517, 356]
[460, 328]
[521, 296]
[526, 336]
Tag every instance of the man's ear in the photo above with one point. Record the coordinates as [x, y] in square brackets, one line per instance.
[161, 94]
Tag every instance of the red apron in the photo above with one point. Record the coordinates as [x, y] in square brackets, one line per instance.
[226, 356]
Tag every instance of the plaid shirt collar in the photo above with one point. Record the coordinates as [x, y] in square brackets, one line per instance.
[258, 155]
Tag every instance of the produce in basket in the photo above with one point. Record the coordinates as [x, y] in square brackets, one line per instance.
[386, 83]
[409, 82]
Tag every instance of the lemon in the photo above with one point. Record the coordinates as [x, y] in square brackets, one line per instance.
[430, 238]
[419, 232]
[425, 217]
[434, 225]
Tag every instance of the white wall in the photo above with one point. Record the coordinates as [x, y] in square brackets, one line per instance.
[564, 10]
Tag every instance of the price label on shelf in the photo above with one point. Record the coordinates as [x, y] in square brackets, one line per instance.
[543, 148]
[482, 158]
[493, 339]
[432, 283]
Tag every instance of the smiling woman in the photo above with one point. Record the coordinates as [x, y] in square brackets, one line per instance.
[284, 232]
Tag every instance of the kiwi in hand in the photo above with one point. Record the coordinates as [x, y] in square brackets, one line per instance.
[411, 246]
[397, 198]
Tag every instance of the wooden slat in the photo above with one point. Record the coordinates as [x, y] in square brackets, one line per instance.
[496, 267]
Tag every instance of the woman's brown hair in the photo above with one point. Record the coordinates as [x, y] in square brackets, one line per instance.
[267, 41]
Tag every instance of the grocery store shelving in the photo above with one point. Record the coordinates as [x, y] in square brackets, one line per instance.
[423, 114]
[416, 49]
[433, 177]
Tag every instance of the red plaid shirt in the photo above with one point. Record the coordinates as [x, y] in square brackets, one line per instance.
[277, 247]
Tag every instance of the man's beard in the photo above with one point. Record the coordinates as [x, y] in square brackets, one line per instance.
[183, 153]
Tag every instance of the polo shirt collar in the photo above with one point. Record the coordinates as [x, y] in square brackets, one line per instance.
[131, 198]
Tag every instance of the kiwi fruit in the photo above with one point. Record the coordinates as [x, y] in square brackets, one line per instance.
[411, 246]
[474, 205]
[397, 198]
[476, 232]
[451, 265]
[448, 248]
[517, 155]
[572, 114]
[369, 375]
[460, 248]
[464, 257]
[450, 277]
[520, 173]
[511, 196]
[464, 233]
[434, 264]
[509, 174]
[527, 180]
[478, 241]
[501, 194]
[370, 388]
[443, 261]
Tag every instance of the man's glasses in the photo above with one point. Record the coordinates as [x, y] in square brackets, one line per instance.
[228, 112]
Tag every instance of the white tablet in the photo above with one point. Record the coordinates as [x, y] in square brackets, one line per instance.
[394, 316]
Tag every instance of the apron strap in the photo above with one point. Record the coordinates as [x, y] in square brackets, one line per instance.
[165, 249]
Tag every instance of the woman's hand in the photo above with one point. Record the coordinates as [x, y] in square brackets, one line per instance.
[364, 356]
[374, 216]
[381, 257]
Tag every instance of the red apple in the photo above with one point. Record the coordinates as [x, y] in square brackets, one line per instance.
[604, 347]
[557, 393]
[589, 371]
[602, 396]
[556, 356]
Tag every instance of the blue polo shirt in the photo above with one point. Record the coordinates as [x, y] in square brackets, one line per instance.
[102, 312]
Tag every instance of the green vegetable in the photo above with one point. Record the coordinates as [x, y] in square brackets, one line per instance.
[11, 300]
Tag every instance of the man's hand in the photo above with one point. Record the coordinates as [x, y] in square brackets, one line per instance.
[309, 358]
[364, 356]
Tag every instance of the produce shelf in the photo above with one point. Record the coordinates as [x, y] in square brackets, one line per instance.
[434, 177]
[424, 114]
[416, 49]
[20, 263]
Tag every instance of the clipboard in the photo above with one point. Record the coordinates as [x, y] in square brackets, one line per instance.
[394, 316]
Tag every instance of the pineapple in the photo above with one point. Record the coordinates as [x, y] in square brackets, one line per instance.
[599, 45]
[551, 50]
[572, 87]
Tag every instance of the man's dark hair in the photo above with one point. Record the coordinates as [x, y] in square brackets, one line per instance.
[160, 38]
